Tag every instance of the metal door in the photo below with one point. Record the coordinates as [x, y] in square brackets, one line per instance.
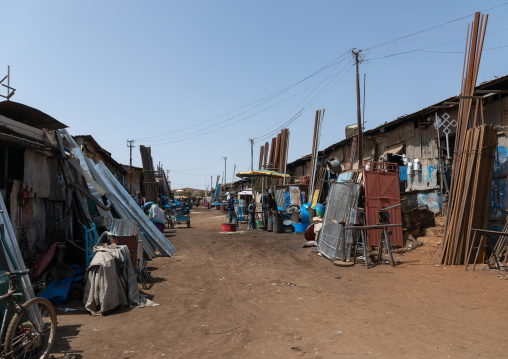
[381, 191]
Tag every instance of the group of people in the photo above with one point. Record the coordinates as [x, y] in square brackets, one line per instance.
[268, 205]
[156, 214]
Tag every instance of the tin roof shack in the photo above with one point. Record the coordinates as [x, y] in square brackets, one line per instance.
[31, 182]
[94, 151]
[416, 135]
[134, 180]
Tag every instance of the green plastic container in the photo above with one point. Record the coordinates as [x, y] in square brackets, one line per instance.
[259, 223]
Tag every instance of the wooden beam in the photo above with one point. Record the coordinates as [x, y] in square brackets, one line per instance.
[468, 97]
[24, 130]
[491, 91]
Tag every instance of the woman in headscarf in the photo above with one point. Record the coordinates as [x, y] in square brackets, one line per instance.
[157, 216]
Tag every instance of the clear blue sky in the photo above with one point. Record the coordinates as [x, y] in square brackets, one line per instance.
[123, 70]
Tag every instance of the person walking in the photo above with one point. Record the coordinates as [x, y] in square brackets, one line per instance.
[231, 210]
[265, 206]
[271, 207]
[252, 214]
[157, 217]
[139, 199]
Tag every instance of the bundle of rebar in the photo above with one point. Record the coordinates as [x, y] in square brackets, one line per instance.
[473, 160]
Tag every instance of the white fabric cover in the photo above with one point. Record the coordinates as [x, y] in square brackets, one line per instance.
[111, 281]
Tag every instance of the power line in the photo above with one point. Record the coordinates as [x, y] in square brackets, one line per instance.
[330, 74]
[433, 27]
[202, 133]
[210, 129]
[428, 47]
[310, 103]
[270, 97]
[259, 101]
[299, 113]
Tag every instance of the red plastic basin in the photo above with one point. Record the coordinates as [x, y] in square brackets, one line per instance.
[228, 227]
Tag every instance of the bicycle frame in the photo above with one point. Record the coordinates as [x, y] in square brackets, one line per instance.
[4, 322]
[17, 307]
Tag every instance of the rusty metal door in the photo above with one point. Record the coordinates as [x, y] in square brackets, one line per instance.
[381, 191]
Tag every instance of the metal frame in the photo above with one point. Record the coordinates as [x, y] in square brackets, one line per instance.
[485, 242]
[90, 242]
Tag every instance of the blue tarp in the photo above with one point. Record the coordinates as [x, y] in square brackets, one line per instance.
[58, 290]
[287, 199]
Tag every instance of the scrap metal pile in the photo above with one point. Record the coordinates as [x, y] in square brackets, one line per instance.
[101, 182]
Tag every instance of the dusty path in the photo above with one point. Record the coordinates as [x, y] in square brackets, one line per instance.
[259, 295]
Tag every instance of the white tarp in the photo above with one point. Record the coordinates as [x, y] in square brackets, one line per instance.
[111, 281]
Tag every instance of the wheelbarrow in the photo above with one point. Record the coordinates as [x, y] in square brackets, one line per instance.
[177, 218]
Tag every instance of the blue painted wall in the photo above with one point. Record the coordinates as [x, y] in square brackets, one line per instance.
[499, 184]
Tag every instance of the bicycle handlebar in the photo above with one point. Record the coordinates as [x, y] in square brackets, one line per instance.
[17, 273]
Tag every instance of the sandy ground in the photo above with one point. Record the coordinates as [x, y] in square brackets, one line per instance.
[255, 294]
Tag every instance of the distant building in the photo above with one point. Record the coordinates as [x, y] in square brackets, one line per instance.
[134, 177]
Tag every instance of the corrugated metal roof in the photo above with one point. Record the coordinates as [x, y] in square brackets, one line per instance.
[104, 152]
[500, 83]
[29, 116]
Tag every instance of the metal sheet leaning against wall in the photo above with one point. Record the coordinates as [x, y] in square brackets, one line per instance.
[36, 175]
[12, 243]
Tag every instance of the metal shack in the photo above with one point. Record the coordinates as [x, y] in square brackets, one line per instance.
[426, 138]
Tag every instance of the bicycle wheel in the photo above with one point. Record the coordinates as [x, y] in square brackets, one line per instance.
[32, 337]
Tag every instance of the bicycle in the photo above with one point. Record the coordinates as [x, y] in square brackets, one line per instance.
[32, 330]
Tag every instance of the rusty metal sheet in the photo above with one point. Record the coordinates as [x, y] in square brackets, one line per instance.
[381, 191]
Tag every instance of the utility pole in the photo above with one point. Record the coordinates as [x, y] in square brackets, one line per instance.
[233, 177]
[211, 185]
[130, 144]
[169, 182]
[251, 154]
[358, 59]
[225, 159]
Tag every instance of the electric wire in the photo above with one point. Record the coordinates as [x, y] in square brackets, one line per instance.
[332, 63]
[232, 156]
[310, 103]
[433, 27]
[299, 113]
[330, 74]
[428, 47]
[325, 89]
[211, 130]
[253, 104]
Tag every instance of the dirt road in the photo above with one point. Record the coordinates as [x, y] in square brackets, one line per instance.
[254, 294]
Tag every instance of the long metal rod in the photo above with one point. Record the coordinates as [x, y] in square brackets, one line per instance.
[251, 154]
[359, 113]
[377, 226]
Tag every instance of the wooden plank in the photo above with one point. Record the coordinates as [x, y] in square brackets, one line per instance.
[418, 143]
[23, 130]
